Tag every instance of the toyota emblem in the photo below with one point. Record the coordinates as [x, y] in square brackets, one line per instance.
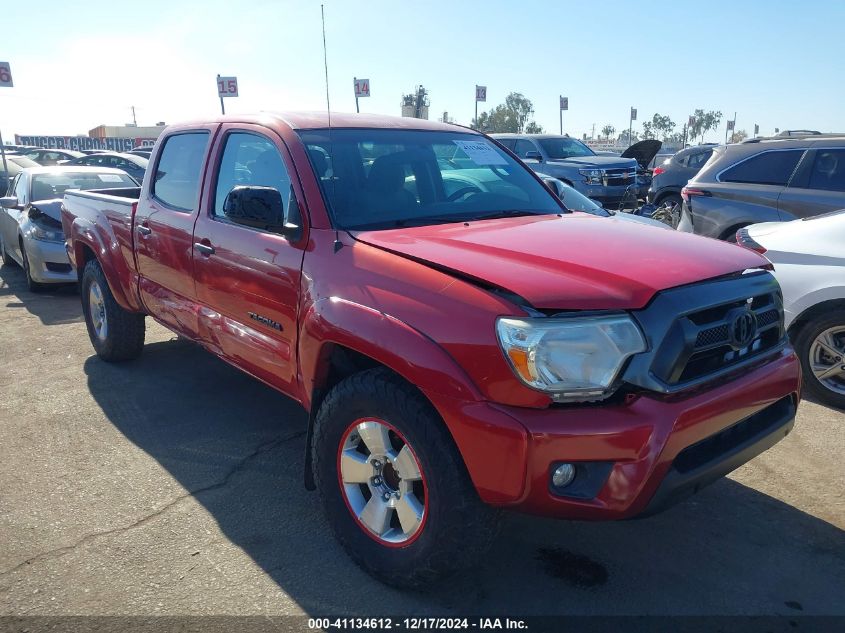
[743, 328]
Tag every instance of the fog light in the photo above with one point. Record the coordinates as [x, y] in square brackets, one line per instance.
[563, 475]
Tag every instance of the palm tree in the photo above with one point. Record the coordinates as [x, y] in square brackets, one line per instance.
[608, 131]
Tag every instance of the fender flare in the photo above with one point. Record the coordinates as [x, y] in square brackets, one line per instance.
[382, 337]
[86, 233]
[385, 339]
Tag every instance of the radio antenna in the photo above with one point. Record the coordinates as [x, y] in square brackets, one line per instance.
[337, 243]
[326, 66]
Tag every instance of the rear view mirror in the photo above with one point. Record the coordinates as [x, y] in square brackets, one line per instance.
[9, 202]
[260, 208]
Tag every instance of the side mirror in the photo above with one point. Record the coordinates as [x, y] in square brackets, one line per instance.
[259, 208]
[533, 155]
[9, 202]
[555, 186]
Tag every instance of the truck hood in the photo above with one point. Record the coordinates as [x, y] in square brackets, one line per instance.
[574, 262]
[643, 152]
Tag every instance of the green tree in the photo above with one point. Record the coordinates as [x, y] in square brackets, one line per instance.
[608, 130]
[738, 136]
[533, 128]
[511, 116]
[703, 122]
[623, 139]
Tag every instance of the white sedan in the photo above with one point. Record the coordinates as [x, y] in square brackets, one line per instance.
[31, 223]
[809, 260]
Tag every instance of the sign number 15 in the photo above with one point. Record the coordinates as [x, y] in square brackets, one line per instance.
[227, 86]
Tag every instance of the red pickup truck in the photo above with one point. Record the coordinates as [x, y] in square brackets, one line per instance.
[461, 341]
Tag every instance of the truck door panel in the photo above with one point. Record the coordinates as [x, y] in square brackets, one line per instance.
[248, 279]
[163, 231]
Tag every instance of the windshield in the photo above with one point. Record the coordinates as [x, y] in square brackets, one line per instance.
[576, 201]
[377, 178]
[21, 161]
[564, 147]
[50, 186]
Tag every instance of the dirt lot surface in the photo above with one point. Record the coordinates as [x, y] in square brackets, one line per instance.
[173, 485]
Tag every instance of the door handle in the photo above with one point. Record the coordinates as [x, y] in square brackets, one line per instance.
[205, 249]
[144, 230]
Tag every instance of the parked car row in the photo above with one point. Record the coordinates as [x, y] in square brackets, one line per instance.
[19, 157]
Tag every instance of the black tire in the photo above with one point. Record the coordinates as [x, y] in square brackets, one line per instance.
[457, 527]
[730, 235]
[803, 341]
[33, 285]
[123, 338]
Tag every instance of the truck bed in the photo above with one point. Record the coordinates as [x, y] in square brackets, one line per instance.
[107, 214]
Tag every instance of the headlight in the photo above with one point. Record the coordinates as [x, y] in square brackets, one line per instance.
[592, 176]
[45, 234]
[570, 359]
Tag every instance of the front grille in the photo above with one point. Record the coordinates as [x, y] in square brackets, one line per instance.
[693, 335]
[620, 177]
[705, 344]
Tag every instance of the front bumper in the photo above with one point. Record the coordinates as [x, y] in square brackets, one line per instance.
[611, 194]
[639, 441]
[48, 262]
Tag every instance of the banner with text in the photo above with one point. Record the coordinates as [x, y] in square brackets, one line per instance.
[77, 143]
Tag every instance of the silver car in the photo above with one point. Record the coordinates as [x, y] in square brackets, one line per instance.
[30, 218]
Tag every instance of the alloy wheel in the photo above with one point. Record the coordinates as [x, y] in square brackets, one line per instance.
[97, 308]
[382, 482]
[827, 358]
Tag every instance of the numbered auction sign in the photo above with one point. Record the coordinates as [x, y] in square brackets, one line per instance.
[5, 75]
[227, 86]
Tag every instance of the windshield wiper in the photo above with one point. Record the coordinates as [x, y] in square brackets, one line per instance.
[451, 219]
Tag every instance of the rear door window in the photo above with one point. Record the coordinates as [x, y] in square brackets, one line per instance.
[696, 161]
[828, 171]
[177, 177]
[768, 168]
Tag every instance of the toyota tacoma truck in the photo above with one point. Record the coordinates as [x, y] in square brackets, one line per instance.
[461, 342]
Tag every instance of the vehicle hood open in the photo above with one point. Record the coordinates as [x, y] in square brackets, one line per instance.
[50, 208]
[574, 262]
[643, 152]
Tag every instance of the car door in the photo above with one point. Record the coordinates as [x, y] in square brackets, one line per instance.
[248, 279]
[164, 223]
[818, 186]
[10, 218]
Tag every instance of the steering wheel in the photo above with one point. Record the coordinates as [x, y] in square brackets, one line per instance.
[460, 193]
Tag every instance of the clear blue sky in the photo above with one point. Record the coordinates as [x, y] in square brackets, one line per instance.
[77, 65]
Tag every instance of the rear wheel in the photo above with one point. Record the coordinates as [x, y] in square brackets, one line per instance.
[820, 345]
[393, 485]
[115, 333]
[670, 199]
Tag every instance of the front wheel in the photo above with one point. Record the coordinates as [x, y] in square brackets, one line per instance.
[393, 485]
[33, 285]
[820, 345]
[115, 333]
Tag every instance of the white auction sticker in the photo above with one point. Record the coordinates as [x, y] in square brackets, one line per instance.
[481, 153]
[111, 177]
